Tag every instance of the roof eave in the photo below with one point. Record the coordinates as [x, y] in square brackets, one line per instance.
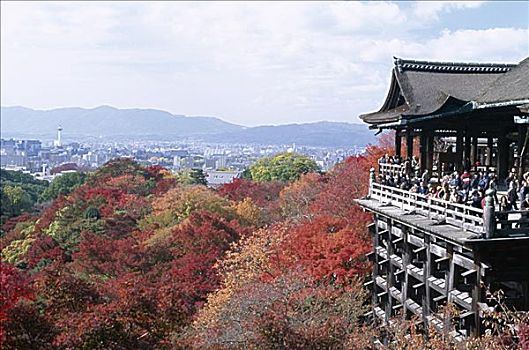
[411, 119]
[484, 105]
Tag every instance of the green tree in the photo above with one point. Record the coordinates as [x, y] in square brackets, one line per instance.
[15, 200]
[27, 192]
[192, 177]
[63, 185]
[282, 167]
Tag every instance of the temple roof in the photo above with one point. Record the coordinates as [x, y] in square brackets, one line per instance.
[421, 88]
[513, 85]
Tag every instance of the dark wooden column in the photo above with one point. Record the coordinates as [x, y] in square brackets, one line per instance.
[522, 150]
[468, 144]
[477, 296]
[503, 157]
[474, 150]
[409, 144]
[398, 143]
[390, 279]
[425, 302]
[449, 280]
[375, 271]
[459, 150]
[429, 152]
[406, 260]
[423, 151]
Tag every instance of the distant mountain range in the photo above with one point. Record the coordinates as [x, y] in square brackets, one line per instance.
[152, 124]
[324, 134]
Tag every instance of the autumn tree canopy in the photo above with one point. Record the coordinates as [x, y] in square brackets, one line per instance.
[136, 258]
[282, 167]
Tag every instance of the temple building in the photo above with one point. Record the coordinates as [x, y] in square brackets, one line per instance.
[431, 251]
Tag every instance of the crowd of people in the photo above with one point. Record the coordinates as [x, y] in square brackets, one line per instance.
[464, 188]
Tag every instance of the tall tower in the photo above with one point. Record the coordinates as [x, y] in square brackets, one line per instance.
[58, 142]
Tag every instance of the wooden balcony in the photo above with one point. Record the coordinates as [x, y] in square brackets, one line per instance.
[464, 217]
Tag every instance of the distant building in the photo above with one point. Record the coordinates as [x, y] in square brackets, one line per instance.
[218, 178]
[58, 141]
[221, 162]
[19, 153]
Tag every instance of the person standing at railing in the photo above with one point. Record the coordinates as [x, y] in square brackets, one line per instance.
[425, 176]
[524, 191]
[407, 168]
[414, 163]
[475, 199]
[423, 188]
[454, 181]
[474, 184]
[432, 191]
[493, 185]
[384, 159]
[405, 183]
[511, 178]
[525, 204]
[389, 181]
[444, 192]
[465, 180]
[456, 197]
[512, 195]
[504, 204]
[483, 181]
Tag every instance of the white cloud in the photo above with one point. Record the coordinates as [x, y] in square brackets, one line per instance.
[498, 44]
[431, 10]
[250, 62]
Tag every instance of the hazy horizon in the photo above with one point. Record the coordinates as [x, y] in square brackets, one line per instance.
[183, 115]
[243, 62]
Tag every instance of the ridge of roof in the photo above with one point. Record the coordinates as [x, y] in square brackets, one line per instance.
[451, 67]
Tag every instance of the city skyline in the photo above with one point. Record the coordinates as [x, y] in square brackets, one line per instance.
[245, 63]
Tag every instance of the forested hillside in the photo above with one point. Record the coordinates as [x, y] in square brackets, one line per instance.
[19, 192]
[134, 259]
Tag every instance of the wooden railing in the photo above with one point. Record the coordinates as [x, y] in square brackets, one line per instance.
[487, 222]
[464, 216]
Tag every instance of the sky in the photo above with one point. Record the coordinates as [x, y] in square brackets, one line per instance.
[250, 63]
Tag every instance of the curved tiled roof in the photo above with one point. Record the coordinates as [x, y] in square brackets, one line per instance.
[425, 87]
[513, 85]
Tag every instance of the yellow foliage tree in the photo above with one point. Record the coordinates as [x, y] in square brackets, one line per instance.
[180, 202]
[248, 213]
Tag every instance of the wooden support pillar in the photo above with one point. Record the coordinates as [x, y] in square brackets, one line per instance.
[429, 152]
[459, 150]
[375, 272]
[423, 151]
[477, 296]
[409, 144]
[522, 150]
[398, 143]
[474, 150]
[426, 299]
[391, 273]
[502, 157]
[449, 281]
[406, 260]
[468, 143]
